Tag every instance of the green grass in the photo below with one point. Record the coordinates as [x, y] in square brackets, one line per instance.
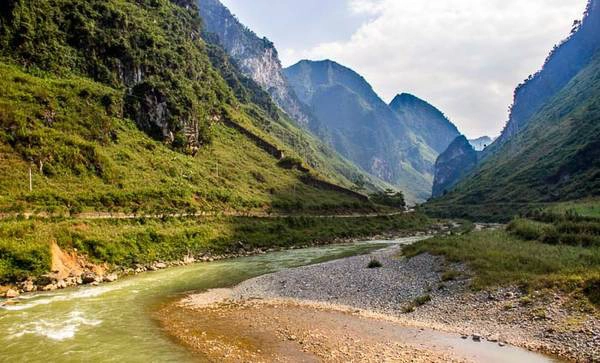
[24, 244]
[499, 258]
[125, 170]
[586, 208]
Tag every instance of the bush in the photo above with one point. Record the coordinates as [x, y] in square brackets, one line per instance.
[450, 275]
[422, 300]
[374, 263]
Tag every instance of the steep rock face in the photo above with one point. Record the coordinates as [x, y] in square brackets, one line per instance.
[425, 121]
[480, 143]
[256, 57]
[459, 159]
[362, 127]
[563, 63]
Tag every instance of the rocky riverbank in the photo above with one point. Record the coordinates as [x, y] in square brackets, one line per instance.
[428, 292]
[70, 269]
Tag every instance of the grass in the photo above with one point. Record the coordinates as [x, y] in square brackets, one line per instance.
[24, 244]
[499, 258]
[75, 169]
[589, 207]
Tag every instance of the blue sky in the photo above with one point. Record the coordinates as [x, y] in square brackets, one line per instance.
[463, 56]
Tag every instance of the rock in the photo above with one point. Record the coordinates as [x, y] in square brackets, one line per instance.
[49, 287]
[11, 294]
[88, 278]
[61, 284]
[476, 338]
[493, 338]
[111, 278]
[45, 280]
[160, 265]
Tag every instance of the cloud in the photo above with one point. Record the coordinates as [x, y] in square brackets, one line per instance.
[369, 7]
[464, 56]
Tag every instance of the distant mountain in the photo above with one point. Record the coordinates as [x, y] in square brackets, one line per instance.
[552, 155]
[458, 158]
[256, 57]
[481, 143]
[425, 121]
[364, 128]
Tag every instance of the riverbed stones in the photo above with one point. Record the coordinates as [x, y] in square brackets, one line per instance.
[111, 277]
[11, 294]
[88, 278]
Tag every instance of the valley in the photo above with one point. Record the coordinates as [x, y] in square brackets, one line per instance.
[176, 188]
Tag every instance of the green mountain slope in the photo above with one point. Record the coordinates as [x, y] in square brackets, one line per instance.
[116, 105]
[555, 158]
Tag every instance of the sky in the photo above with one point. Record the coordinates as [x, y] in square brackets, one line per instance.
[464, 56]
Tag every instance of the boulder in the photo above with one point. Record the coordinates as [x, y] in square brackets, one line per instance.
[49, 287]
[111, 278]
[88, 278]
[45, 280]
[11, 294]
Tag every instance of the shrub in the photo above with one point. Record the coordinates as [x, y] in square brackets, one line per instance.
[450, 275]
[422, 300]
[374, 263]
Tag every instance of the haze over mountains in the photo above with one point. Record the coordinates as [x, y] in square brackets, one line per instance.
[397, 143]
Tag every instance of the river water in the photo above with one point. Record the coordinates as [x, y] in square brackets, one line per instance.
[113, 322]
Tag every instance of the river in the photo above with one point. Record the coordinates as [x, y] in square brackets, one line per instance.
[114, 322]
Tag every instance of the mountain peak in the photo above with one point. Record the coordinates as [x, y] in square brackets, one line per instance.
[429, 122]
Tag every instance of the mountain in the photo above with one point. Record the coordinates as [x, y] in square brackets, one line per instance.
[362, 127]
[426, 121]
[256, 57]
[458, 157]
[120, 105]
[564, 62]
[554, 154]
[481, 143]
[251, 67]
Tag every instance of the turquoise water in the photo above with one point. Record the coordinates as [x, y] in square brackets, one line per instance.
[113, 322]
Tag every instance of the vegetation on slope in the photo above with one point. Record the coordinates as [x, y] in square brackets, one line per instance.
[550, 251]
[24, 250]
[555, 158]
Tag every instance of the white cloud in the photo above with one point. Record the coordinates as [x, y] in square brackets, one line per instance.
[370, 7]
[464, 56]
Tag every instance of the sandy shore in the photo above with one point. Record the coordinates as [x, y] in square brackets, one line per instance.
[406, 293]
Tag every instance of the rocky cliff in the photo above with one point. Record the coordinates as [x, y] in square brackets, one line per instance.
[425, 121]
[458, 159]
[257, 58]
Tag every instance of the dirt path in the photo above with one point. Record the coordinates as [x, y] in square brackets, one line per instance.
[125, 216]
